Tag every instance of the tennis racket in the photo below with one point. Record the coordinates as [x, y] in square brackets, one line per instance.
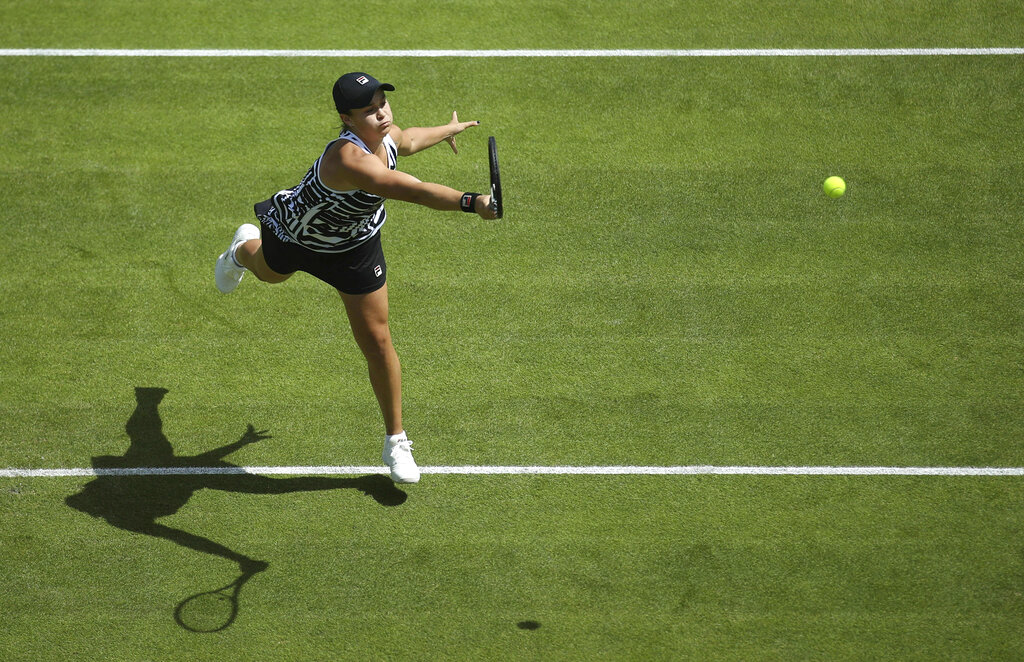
[492, 151]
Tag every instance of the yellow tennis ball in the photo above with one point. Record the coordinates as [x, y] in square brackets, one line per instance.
[834, 187]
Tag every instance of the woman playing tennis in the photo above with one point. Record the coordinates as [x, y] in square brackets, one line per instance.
[329, 226]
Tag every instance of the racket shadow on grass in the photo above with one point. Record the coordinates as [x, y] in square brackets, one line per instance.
[133, 502]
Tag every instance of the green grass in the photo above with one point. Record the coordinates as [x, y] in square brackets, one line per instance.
[511, 24]
[610, 567]
[670, 286]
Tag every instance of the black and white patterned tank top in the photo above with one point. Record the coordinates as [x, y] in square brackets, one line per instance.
[324, 220]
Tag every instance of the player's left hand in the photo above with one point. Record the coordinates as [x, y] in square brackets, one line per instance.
[456, 127]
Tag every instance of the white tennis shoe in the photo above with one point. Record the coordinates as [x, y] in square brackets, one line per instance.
[397, 454]
[227, 272]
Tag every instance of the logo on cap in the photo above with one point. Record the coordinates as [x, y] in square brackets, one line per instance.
[362, 80]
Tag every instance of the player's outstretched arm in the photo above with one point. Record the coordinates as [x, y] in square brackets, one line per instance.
[418, 138]
[368, 173]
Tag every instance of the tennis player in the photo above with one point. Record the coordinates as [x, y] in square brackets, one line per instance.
[329, 226]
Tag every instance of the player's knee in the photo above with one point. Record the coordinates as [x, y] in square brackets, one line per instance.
[376, 345]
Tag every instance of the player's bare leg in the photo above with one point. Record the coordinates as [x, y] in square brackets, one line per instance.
[368, 315]
[244, 254]
[250, 255]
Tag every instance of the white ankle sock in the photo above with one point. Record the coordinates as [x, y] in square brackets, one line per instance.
[235, 259]
[391, 438]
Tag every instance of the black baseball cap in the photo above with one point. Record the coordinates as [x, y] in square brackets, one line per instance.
[356, 90]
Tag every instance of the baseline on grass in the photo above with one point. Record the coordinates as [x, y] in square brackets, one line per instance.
[468, 470]
[723, 52]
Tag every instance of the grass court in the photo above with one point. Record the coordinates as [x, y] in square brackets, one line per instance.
[669, 287]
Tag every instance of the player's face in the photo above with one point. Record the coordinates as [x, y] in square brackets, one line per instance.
[373, 120]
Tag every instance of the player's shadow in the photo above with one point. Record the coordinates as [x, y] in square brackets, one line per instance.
[135, 502]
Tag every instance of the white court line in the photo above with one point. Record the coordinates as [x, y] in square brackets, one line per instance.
[523, 53]
[694, 470]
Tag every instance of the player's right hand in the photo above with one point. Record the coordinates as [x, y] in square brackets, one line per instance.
[485, 207]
